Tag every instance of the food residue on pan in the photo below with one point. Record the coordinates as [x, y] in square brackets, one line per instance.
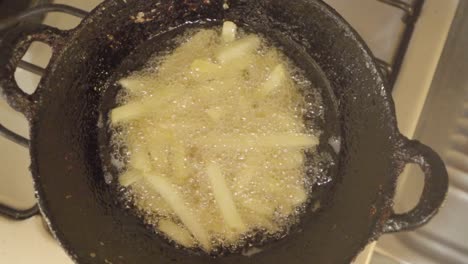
[216, 140]
[141, 17]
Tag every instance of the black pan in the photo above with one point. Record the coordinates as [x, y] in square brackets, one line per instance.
[76, 185]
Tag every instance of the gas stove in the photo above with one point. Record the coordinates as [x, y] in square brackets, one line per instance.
[406, 36]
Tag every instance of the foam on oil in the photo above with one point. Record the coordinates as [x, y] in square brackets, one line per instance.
[202, 116]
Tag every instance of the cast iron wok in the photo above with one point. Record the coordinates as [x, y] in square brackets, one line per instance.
[76, 192]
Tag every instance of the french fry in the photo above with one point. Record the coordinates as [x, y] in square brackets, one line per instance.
[130, 177]
[135, 85]
[137, 109]
[288, 141]
[150, 201]
[128, 112]
[188, 51]
[176, 233]
[172, 196]
[229, 31]
[269, 141]
[276, 78]
[238, 49]
[224, 199]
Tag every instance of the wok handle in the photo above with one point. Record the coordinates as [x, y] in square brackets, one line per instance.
[13, 46]
[434, 191]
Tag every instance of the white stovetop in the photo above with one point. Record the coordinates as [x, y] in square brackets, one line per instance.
[28, 241]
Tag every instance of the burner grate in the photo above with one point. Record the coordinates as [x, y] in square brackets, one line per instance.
[410, 17]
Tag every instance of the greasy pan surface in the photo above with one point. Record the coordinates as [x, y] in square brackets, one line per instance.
[68, 168]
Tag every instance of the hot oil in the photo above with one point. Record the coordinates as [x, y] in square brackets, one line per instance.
[201, 118]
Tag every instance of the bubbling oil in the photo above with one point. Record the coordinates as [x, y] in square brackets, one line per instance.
[214, 140]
